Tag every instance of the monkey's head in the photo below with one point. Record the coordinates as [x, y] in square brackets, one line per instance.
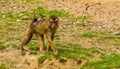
[53, 20]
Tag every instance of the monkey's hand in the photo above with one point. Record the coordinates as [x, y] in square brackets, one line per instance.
[56, 52]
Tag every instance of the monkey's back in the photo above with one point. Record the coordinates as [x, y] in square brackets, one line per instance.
[42, 26]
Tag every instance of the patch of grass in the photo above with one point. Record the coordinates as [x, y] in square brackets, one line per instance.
[109, 37]
[107, 62]
[73, 51]
[12, 15]
[85, 20]
[57, 36]
[33, 46]
[89, 35]
[100, 33]
[84, 17]
[61, 59]
[2, 46]
[116, 44]
[33, 52]
[2, 66]
[10, 38]
[26, 13]
[41, 59]
[39, 9]
[19, 38]
[15, 46]
[93, 50]
[28, 1]
[60, 13]
[1, 15]
[69, 50]
[104, 36]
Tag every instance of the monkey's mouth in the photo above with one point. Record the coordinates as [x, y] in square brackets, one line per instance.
[54, 27]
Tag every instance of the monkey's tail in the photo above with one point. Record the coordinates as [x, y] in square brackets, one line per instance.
[35, 20]
[33, 23]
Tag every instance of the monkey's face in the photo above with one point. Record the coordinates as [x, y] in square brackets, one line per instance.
[54, 23]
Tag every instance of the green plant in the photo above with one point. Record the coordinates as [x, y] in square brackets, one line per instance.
[39, 10]
[2, 46]
[94, 50]
[2, 66]
[28, 1]
[89, 35]
[109, 37]
[60, 13]
[15, 46]
[1, 15]
[25, 13]
[33, 46]
[57, 36]
[107, 62]
[85, 20]
[41, 59]
[73, 51]
[33, 52]
[12, 15]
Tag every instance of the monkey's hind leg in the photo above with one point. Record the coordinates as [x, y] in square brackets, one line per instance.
[27, 38]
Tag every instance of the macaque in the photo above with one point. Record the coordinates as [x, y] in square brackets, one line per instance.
[45, 27]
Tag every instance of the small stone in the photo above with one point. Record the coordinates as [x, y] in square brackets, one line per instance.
[19, 65]
[4, 16]
[117, 33]
[18, 20]
[25, 18]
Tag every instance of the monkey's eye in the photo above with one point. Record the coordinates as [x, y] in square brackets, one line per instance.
[51, 20]
[56, 20]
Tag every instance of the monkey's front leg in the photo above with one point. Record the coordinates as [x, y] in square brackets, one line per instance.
[51, 43]
[52, 38]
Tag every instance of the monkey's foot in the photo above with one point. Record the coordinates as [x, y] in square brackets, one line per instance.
[24, 51]
[42, 51]
[56, 52]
